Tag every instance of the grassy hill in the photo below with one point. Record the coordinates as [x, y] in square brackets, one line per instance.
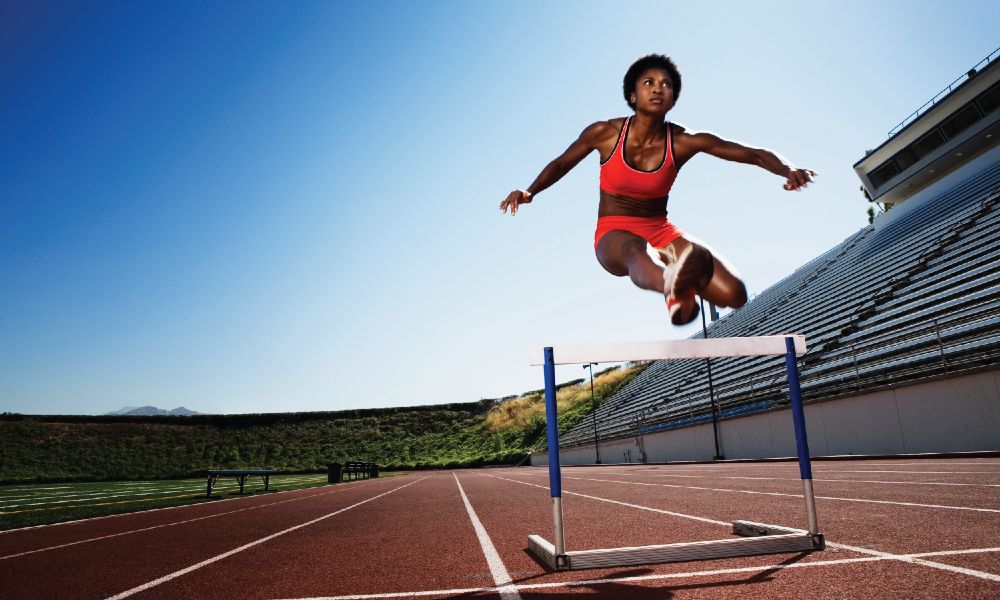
[83, 448]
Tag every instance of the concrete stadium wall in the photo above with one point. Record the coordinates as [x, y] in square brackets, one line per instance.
[959, 414]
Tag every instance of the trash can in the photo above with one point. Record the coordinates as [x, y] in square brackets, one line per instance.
[334, 472]
[374, 471]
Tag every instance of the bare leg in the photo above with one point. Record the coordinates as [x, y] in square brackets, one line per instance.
[622, 253]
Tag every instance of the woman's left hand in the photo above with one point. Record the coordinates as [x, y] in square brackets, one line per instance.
[799, 178]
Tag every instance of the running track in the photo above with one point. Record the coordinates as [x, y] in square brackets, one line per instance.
[895, 528]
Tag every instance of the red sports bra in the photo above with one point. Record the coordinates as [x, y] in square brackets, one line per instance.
[618, 178]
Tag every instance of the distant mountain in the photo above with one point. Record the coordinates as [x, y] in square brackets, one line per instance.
[122, 411]
[180, 411]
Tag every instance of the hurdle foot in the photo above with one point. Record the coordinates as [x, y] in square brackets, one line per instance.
[546, 552]
[755, 539]
[752, 529]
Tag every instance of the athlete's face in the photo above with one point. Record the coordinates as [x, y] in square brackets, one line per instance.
[654, 91]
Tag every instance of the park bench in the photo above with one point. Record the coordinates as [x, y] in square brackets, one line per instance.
[360, 470]
[352, 469]
[241, 476]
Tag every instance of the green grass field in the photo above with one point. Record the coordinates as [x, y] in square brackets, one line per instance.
[77, 448]
[41, 504]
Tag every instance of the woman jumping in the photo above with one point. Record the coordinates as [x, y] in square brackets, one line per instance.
[640, 158]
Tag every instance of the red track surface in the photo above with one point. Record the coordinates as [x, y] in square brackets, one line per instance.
[413, 534]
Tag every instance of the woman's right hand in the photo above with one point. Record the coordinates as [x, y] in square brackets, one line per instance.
[515, 199]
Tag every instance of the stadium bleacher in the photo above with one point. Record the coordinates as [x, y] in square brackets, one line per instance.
[915, 298]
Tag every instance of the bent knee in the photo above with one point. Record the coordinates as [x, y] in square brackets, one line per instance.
[731, 294]
[642, 279]
[617, 250]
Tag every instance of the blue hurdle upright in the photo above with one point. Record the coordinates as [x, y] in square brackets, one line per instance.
[757, 538]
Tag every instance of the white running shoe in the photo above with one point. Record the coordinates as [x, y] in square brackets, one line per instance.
[677, 302]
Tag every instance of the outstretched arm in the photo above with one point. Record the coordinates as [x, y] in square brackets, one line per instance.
[765, 159]
[562, 164]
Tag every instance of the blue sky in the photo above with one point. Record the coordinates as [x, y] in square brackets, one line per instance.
[266, 207]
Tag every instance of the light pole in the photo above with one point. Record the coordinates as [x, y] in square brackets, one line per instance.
[593, 410]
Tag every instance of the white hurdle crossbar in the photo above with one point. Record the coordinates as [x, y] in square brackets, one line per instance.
[758, 538]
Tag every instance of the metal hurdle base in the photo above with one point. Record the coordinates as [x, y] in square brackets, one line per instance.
[758, 538]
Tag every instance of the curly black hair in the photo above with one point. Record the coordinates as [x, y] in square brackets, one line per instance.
[650, 61]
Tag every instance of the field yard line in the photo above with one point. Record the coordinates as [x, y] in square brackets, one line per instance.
[692, 487]
[41, 495]
[130, 501]
[501, 578]
[799, 479]
[19, 486]
[104, 537]
[149, 510]
[132, 483]
[89, 498]
[120, 487]
[99, 485]
[145, 490]
[218, 557]
[88, 493]
[887, 555]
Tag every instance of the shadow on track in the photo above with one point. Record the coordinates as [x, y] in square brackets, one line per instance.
[606, 587]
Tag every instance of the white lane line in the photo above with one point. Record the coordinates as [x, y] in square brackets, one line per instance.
[757, 493]
[194, 567]
[978, 464]
[114, 535]
[610, 501]
[910, 472]
[634, 578]
[917, 560]
[823, 480]
[789, 467]
[864, 500]
[501, 578]
[886, 555]
[954, 552]
[679, 472]
[451, 592]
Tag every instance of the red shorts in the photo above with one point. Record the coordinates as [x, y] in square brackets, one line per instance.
[657, 231]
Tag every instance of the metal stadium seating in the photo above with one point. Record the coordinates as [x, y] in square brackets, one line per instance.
[917, 297]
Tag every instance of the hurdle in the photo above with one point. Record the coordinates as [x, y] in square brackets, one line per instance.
[756, 538]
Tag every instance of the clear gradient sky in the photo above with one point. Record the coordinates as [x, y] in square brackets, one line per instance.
[293, 206]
